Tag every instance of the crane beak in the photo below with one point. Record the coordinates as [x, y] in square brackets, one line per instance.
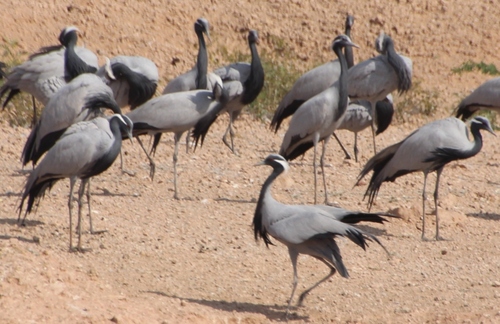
[260, 163]
[491, 131]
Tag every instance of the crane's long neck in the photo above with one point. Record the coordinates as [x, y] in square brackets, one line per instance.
[73, 64]
[255, 81]
[399, 65]
[265, 195]
[343, 95]
[348, 52]
[478, 139]
[201, 63]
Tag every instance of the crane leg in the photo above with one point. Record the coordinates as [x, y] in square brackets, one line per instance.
[424, 198]
[315, 176]
[307, 291]
[35, 117]
[322, 164]
[152, 166]
[347, 156]
[81, 191]
[374, 123]
[373, 135]
[356, 151]
[436, 197]
[231, 134]
[188, 141]
[176, 151]
[72, 181]
[293, 257]
[130, 173]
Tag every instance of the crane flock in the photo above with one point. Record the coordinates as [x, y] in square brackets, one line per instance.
[75, 139]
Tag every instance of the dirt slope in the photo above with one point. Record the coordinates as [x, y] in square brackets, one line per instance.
[195, 260]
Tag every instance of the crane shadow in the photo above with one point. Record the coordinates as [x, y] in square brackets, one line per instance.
[373, 230]
[273, 313]
[13, 221]
[10, 194]
[487, 216]
[242, 201]
[20, 238]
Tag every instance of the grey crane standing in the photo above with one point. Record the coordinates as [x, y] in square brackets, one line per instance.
[312, 83]
[85, 150]
[358, 117]
[49, 69]
[319, 117]
[198, 78]
[318, 79]
[307, 229]
[486, 96]
[375, 78]
[81, 99]
[427, 149]
[177, 113]
[243, 82]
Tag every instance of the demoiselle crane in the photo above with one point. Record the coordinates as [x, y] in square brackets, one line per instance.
[84, 150]
[44, 72]
[319, 117]
[308, 229]
[177, 113]
[375, 78]
[81, 99]
[427, 149]
[243, 81]
[486, 96]
[358, 117]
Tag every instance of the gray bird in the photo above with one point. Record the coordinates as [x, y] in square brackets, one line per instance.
[86, 149]
[427, 149]
[49, 69]
[307, 229]
[135, 79]
[81, 99]
[177, 113]
[319, 117]
[358, 117]
[486, 96]
[243, 82]
[375, 78]
[312, 83]
[198, 78]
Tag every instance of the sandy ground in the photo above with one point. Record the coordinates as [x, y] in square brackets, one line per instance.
[195, 260]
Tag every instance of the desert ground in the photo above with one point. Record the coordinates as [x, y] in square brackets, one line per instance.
[195, 260]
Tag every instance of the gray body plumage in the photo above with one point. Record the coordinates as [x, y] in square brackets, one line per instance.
[84, 150]
[42, 75]
[358, 117]
[317, 118]
[243, 83]
[307, 229]
[177, 113]
[81, 99]
[377, 77]
[312, 83]
[427, 149]
[486, 96]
